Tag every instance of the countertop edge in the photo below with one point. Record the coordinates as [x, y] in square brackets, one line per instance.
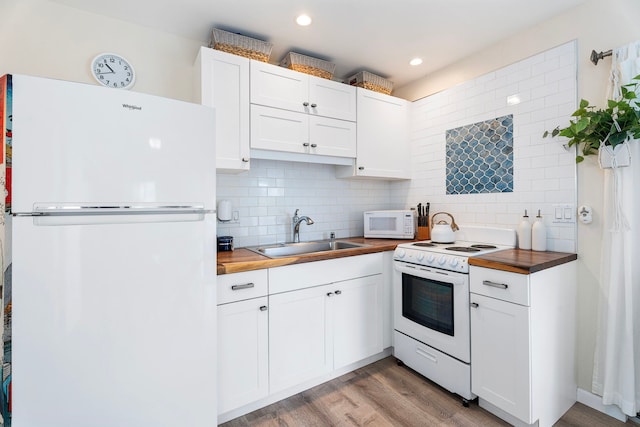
[242, 259]
[522, 261]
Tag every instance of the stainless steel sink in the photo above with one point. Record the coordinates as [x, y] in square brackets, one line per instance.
[290, 249]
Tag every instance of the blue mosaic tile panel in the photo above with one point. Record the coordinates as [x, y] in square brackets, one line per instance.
[480, 157]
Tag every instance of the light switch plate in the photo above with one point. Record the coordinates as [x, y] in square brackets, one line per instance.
[564, 213]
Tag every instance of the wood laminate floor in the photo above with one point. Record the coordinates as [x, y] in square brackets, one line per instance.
[385, 394]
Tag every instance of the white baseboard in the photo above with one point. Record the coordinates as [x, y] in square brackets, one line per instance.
[594, 401]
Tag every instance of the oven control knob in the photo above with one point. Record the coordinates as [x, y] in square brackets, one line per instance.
[453, 262]
[420, 257]
[400, 253]
[442, 260]
[431, 258]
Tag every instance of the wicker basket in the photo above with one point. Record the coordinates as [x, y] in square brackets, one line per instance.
[308, 65]
[371, 81]
[240, 45]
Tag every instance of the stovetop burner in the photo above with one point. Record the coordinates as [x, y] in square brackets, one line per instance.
[484, 246]
[424, 244]
[463, 249]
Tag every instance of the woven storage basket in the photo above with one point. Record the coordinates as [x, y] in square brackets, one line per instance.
[308, 65]
[240, 45]
[371, 81]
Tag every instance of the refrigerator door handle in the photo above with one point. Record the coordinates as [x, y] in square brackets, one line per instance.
[53, 210]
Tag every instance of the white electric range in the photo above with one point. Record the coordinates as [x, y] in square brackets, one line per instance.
[431, 304]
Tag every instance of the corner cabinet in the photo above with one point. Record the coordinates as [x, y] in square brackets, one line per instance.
[523, 343]
[222, 82]
[383, 138]
[302, 114]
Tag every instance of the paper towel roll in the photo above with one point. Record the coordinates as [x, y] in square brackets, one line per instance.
[224, 210]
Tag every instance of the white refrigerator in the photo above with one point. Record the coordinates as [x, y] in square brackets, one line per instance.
[113, 258]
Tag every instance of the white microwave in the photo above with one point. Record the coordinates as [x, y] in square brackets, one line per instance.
[398, 224]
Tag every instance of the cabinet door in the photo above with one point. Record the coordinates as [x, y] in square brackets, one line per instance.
[332, 99]
[356, 307]
[383, 138]
[500, 355]
[300, 341]
[279, 87]
[224, 85]
[279, 130]
[243, 353]
[331, 137]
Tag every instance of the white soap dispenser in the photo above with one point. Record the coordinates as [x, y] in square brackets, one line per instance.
[524, 232]
[539, 234]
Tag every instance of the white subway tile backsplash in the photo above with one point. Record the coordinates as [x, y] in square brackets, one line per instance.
[544, 173]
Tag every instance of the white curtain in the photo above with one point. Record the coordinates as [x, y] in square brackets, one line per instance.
[616, 373]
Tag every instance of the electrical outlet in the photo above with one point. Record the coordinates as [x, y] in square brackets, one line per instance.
[564, 213]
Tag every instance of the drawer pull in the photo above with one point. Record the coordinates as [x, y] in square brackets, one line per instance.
[263, 308]
[494, 284]
[338, 292]
[239, 287]
[314, 145]
[474, 305]
[305, 104]
[314, 105]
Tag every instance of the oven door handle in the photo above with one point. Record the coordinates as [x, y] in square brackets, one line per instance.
[494, 284]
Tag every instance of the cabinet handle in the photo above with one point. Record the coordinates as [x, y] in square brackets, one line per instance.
[338, 292]
[474, 305]
[263, 308]
[245, 160]
[360, 168]
[329, 294]
[305, 104]
[305, 144]
[314, 145]
[494, 284]
[245, 286]
[314, 105]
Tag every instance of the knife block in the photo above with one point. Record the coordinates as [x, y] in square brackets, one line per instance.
[424, 233]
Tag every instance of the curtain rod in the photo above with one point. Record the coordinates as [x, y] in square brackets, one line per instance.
[595, 57]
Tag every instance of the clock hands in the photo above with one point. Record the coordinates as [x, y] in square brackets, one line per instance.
[107, 72]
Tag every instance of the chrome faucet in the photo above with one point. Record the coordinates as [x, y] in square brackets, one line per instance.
[296, 225]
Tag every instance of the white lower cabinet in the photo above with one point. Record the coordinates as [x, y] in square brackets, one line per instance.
[523, 343]
[299, 337]
[243, 339]
[501, 365]
[316, 330]
[287, 328]
[243, 364]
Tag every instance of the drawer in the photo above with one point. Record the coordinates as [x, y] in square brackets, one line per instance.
[502, 285]
[241, 286]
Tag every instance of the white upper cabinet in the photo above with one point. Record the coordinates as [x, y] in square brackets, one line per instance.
[279, 87]
[383, 137]
[222, 82]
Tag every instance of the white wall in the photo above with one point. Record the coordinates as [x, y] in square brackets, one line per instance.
[599, 25]
[544, 173]
[42, 38]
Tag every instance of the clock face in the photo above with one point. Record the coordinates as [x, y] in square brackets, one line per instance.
[113, 71]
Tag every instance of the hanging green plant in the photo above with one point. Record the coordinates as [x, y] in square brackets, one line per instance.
[613, 125]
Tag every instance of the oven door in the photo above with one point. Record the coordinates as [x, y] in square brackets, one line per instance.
[432, 306]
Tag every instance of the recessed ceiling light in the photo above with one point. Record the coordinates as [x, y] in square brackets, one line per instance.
[303, 20]
[415, 61]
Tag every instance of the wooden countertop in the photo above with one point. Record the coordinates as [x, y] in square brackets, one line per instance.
[245, 260]
[522, 261]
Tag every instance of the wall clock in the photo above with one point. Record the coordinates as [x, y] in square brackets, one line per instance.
[113, 70]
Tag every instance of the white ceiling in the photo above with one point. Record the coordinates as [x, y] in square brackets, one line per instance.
[379, 36]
